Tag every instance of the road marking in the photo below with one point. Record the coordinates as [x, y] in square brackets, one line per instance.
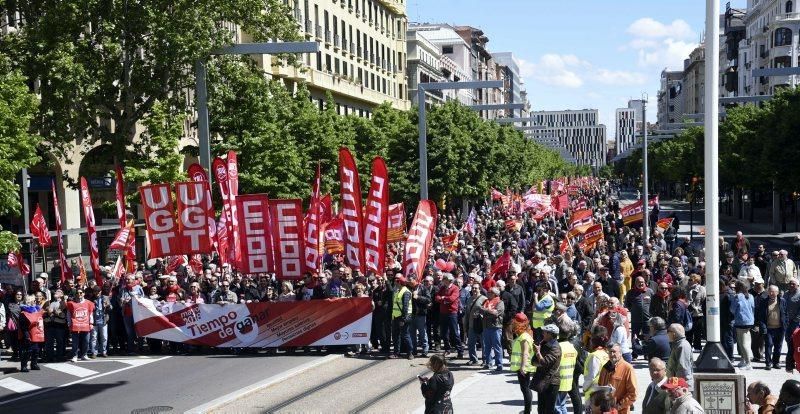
[71, 369]
[44, 390]
[16, 385]
[259, 385]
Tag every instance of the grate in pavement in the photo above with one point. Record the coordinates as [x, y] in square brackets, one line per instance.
[153, 410]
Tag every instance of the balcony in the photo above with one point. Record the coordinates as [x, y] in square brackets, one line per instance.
[358, 53]
[787, 17]
[318, 32]
[309, 27]
[337, 42]
[352, 48]
[298, 16]
[328, 37]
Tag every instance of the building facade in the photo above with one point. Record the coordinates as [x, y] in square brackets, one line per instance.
[514, 86]
[454, 58]
[577, 131]
[362, 61]
[625, 135]
[670, 99]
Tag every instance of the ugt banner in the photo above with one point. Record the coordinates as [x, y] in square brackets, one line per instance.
[260, 324]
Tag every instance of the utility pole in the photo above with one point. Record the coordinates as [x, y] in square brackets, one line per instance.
[645, 198]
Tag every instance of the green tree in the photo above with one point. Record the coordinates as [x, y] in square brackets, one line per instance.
[17, 143]
[98, 61]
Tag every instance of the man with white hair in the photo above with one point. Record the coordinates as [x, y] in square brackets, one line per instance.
[781, 270]
[680, 363]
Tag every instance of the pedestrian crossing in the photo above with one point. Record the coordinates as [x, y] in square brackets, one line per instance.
[16, 385]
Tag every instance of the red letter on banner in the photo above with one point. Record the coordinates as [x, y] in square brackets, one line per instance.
[287, 233]
[160, 218]
[352, 212]
[377, 217]
[192, 209]
[253, 210]
[420, 237]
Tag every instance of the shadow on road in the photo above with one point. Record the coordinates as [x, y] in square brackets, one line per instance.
[58, 399]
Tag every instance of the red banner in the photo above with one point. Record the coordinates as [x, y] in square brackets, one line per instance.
[192, 221]
[91, 232]
[664, 223]
[450, 242]
[501, 266]
[397, 223]
[159, 215]
[66, 271]
[376, 217]
[632, 213]
[130, 249]
[580, 218]
[15, 259]
[222, 239]
[334, 236]
[220, 169]
[420, 237]
[352, 211]
[312, 227]
[593, 234]
[233, 192]
[256, 249]
[327, 213]
[287, 236]
[198, 173]
[39, 228]
[259, 324]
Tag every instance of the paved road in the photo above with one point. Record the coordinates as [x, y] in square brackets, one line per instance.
[127, 385]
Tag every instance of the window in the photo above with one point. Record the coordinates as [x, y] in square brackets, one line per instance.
[789, 7]
[783, 37]
[447, 50]
[782, 62]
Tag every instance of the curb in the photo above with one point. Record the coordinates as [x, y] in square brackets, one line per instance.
[227, 398]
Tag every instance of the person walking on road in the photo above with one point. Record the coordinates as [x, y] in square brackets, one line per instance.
[492, 311]
[520, 360]
[448, 299]
[771, 321]
[743, 309]
[436, 388]
[569, 357]
[680, 363]
[422, 298]
[402, 309]
[473, 323]
[620, 375]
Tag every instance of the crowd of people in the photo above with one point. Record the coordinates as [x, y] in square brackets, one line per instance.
[571, 318]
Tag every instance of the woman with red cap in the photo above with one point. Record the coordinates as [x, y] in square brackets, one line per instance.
[521, 353]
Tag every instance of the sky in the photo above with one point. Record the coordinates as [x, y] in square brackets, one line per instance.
[577, 54]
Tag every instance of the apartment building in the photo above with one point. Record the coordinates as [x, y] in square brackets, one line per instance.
[514, 86]
[625, 135]
[771, 41]
[577, 131]
[362, 61]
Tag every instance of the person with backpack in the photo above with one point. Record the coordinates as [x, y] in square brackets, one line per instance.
[679, 309]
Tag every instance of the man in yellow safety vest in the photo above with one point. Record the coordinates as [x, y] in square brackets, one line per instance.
[569, 356]
[401, 317]
[597, 357]
[543, 305]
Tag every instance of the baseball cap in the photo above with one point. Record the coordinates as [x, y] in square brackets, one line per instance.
[550, 328]
[675, 382]
[521, 318]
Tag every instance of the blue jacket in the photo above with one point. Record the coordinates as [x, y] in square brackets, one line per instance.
[743, 310]
[761, 313]
[658, 346]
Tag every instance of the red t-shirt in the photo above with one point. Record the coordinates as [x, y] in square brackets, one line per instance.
[36, 325]
[80, 315]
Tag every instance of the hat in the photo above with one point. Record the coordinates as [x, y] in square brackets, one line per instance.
[521, 318]
[550, 328]
[43, 275]
[675, 382]
[758, 279]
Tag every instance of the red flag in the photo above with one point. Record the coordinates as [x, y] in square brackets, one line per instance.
[222, 239]
[256, 249]
[193, 234]
[130, 252]
[397, 223]
[420, 237]
[580, 218]
[564, 246]
[82, 276]
[121, 238]
[312, 226]
[196, 263]
[91, 232]
[39, 228]
[15, 259]
[450, 242]
[513, 225]
[66, 271]
[287, 236]
[334, 235]
[352, 211]
[233, 192]
[376, 217]
[496, 195]
[632, 213]
[664, 223]
[501, 266]
[220, 169]
[325, 205]
[198, 173]
[162, 230]
[174, 262]
[593, 234]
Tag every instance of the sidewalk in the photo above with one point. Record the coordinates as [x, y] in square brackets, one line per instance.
[490, 392]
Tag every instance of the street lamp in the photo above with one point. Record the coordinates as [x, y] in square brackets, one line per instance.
[423, 127]
[237, 49]
[645, 196]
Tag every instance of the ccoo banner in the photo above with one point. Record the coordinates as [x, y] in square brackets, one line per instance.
[256, 248]
[287, 237]
[259, 324]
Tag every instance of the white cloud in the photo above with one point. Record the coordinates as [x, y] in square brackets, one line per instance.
[659, 44]
[649, 28]
[570, 71]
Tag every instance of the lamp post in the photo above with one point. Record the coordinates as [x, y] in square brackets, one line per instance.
[201, 87]
[645, 197]
[422, 123]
